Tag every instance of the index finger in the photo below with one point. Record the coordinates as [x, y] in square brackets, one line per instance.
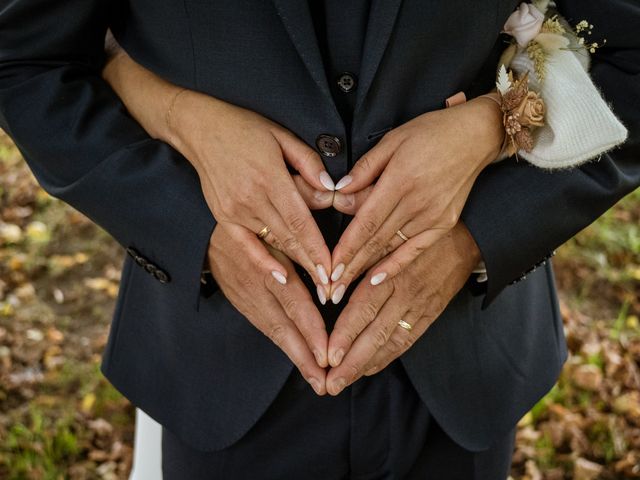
[362, 308]
[304, 232]
[299, 307]
[369, 218]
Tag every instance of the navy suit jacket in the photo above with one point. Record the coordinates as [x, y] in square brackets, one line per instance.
[190, 359]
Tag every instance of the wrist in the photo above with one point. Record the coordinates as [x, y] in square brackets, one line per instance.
[488, 120]
[468, 246]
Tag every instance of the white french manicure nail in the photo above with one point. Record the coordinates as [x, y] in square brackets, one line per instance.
[378, 278]
[322, 296]
[337, 294]
[322, 273]
[326, 181]
[344, 181]
[279, 277]
[337, 272]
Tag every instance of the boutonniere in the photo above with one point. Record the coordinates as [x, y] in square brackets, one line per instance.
[535, 29]
[543, 86]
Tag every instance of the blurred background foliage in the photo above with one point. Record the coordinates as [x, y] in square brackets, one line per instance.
[60, 418]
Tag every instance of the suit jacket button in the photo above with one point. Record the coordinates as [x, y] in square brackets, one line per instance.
[161, 275]
[140, 260]
[346, 81]
[150, 267]
[328, 145]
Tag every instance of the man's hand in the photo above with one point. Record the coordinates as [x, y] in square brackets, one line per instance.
[241, 265]
[367, 329]
[427, 167]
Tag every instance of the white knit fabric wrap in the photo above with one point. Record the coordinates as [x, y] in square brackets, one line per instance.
[579, 125]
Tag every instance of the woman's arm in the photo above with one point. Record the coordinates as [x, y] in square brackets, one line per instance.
[82, 146]
[518, 214]
[239, 156]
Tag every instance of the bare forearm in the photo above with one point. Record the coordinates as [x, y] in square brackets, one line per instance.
[146, 95]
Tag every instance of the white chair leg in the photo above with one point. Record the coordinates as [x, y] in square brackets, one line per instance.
[147, 452]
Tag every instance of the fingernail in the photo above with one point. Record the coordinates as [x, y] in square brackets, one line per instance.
[322, 296]
[279, 277]
[337, 272]
[345, 200]
[337, 357]
[371, 371]
[322, 273]
[326, 181]
[344, 181]
[378, 278]
[339, 384]
[315, 384]
[319, 357]
[337, 294]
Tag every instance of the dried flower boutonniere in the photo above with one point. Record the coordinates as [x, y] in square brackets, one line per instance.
[539, 30]
[522, 110]
[545, 64]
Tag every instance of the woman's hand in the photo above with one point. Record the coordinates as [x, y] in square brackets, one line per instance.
[240, 156]
[241, 265]
[367, 331]
[426, 168]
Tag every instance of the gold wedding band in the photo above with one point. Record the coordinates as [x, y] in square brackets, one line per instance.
[405, 325]
[402, 235]
[264, 232]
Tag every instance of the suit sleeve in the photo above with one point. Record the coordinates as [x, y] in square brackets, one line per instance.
[84, 148]
[517, 213]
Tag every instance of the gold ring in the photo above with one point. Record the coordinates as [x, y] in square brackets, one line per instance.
[405, 325]
[264, 232]
[402, 235]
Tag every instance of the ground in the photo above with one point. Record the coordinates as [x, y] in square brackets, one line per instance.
[60, 418]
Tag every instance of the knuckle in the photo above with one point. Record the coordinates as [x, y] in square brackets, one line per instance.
[245, 281]
[274, 242]
[437, 303]
[414, 286]
[452, 217]
[391, 135]
[380, 337]
[373, 246]
[277, 334]
[368, 311]
[364, 163]
[290, 305]
[395, 345]
[353, 370]
[296, 223]
[396, 266]
[227, 208]
[348, 252]
[291, 243]
[369, 225]
[350, 336]
[311, 157]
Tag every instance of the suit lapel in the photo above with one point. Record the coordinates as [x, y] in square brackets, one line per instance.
[296, 18]
[382, 18]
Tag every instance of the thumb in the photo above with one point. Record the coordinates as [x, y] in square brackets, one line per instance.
[315, 199]
[304, 159]
[368, 167]
[350, 203]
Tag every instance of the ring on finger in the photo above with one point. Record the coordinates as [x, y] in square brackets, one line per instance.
[264, 232]
[407, 326]
[402, 235]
